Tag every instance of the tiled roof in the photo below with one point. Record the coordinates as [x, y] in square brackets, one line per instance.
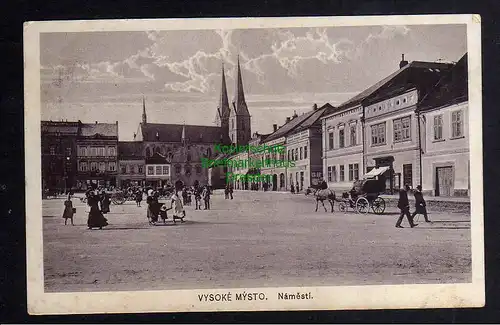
[102, 129]
[414, 75]
[451, 89]
[130, 150]
[59, 127]
[301, 122]
[173, 133]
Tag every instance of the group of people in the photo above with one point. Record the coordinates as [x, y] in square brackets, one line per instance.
[228, 191]
[98, 202]
[295, 189]
[404, 206]
[178, 200]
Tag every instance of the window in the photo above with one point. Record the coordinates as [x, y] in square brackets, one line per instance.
[102, 167]
[353, 172]
[353, 135]
[158, 170]
[329, 173]
[177, 169]
[188, 170]
[401, 129]
[84, 151]
[93, 152]
[112, 151]
[198, 169]
[378, 134]
[334, 173]
[112, 166]
[166, 170]
[93, 166]
[438, 127]
[123, 169]
[188, 158]
[151, 170]
[457, 124]
[341, 173]
[296, 154]
[341, 138]
[84, 167]
[289, 155]
[101, 151]
[140, 169]
[300, 157]
[68, 151]
[132, 169]
[52, 150]
[305, 152]
[330, 140]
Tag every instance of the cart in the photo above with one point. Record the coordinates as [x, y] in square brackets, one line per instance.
[365, 194]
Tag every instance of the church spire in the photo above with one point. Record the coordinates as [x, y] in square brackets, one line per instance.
[223, 108]
[239, 102]
[144, 117]
[183, 135]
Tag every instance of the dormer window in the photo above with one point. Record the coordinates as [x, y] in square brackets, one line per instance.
[157, 135]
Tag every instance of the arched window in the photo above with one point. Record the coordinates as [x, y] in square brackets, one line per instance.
[148, 152]
[188, 170]
[282, 180]
[188, 157]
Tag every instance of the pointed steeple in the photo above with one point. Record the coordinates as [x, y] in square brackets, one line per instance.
[183, 135]
[144, 117]
[239, 102]
[223, 110]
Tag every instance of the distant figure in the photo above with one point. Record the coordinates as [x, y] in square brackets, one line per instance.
[105, 202]
[197, 197]
[185, 196]
[177, 207]
[226, 192]
[292, 188]
[404, 207]
[323, 185]
[420, 206]
[297, 189]
[153, 208]
[206, 197]
[231, 191]
[138, 197]
[96, 218]
[69, 211]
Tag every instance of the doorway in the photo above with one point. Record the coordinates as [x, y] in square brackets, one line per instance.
[444, 181]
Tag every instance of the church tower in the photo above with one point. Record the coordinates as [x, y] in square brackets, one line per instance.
[239, 118]
[223, 109]
[144, 117]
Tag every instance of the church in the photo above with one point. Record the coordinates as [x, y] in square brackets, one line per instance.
[183, 146]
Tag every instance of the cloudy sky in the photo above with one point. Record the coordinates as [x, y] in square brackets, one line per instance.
[103, 75]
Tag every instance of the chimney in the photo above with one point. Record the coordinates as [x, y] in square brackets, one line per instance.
[95, 122]
[275, 127]
[315, 107]
[135, 135]
[403, 63]
[287, 119]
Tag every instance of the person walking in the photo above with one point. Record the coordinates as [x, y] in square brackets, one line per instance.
[420, 206]
[105, 202]
[231, 191]
[297, 187]
[177, 207]
[138, 197]
[404, 207]
[96, 219]
[206, 197]
[226, 192]
[69, 211]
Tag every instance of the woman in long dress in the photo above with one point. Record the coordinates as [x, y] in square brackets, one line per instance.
[96, 218]
[177, 207]
[68, 210]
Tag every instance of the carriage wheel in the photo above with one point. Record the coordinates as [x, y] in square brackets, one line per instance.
[378, 205]
[362, 205]
[342, 207]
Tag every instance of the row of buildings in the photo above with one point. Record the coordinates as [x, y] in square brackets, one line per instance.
[412, 127]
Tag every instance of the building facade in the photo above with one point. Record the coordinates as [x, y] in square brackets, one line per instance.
[343, 147]
[158, 171]
[97, 155]
[59, 157]
[445, 145]
[131, 164]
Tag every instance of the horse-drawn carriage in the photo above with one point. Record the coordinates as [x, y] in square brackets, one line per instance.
[365, 194]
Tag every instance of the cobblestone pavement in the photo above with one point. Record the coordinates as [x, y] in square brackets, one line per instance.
[256, 240]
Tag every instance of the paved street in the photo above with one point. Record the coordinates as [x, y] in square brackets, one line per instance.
[258, 239]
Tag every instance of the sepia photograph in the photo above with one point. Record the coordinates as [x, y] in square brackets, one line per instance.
[254, 164]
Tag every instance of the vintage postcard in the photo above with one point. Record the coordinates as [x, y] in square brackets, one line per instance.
[315, 163]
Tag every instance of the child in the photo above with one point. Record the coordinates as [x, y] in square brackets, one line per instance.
[69, 211]
[163, 213]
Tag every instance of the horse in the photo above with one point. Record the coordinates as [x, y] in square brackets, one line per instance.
[322, 195]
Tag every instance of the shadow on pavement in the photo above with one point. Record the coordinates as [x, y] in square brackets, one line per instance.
[441, 227]
[449, 221]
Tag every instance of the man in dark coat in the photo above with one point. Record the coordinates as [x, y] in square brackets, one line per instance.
[323, 185]
[420, 206]
[404, 206]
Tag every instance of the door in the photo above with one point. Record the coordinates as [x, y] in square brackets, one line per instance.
[444, 181]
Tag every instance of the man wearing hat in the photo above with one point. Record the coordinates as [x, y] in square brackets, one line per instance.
[420, 204]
